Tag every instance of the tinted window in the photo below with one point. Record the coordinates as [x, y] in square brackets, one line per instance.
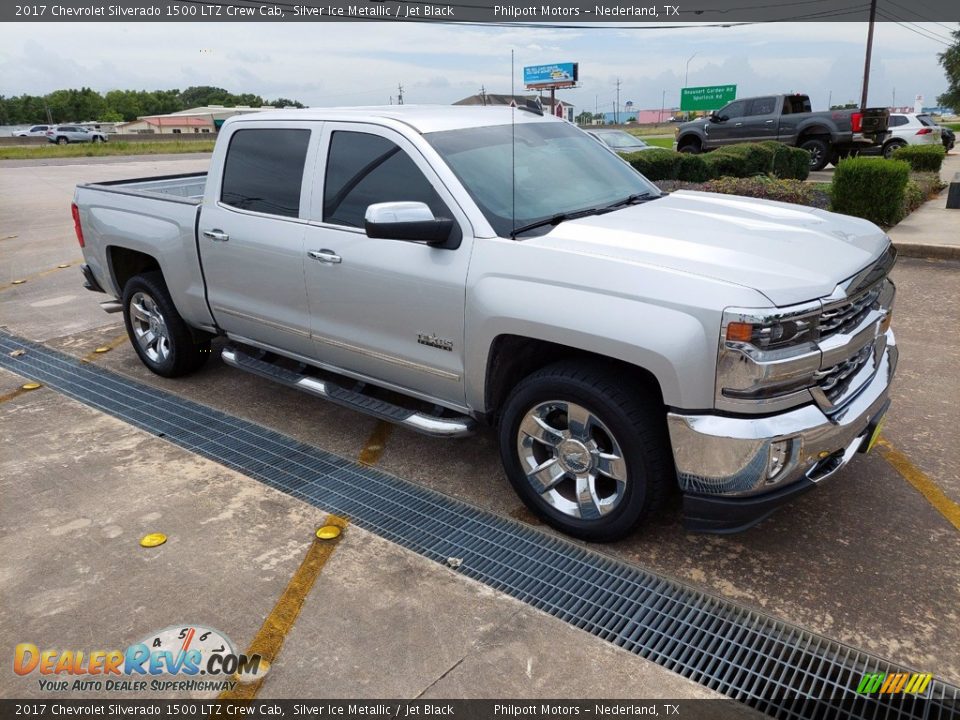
[897, 120]
[763, 106]
[926, 120]
[364, 169]
[735, 109]
[264, 170]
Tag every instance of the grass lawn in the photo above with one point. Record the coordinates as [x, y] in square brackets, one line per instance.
[13, 152]
[953, 126]
[660, 142]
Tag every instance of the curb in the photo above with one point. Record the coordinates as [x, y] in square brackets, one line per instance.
[928, 251]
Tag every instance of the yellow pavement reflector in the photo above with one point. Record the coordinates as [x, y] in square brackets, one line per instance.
[246, 676]
[153, 540]
[328, 532]
[18, 282]
[63, 265]
[30, 386]
[102, 349]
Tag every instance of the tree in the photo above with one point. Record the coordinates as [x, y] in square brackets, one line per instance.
[950, 59]
[584, 118]
[846, 106]
[285, 102]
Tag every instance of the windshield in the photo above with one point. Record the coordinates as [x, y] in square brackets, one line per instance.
[557, 169]
[620, 139]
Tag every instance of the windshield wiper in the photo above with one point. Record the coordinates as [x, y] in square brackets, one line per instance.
[555, 220]
[630, 200]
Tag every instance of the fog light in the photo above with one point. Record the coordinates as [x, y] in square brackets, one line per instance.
[779, 454]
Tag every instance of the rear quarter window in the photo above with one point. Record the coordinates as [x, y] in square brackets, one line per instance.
[264, 170]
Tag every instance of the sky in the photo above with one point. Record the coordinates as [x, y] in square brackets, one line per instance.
[327, 64]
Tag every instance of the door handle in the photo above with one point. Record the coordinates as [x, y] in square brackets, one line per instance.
[738, 124]
[769, 121]
[216, 235]
[328, 257]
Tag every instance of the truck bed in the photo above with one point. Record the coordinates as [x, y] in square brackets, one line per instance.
[180, 188]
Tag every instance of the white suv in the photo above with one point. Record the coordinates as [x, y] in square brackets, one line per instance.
[910, 129]
[34, 131]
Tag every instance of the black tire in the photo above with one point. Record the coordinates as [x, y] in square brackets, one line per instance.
[62, 140]
[181, 354]
[694, 147]
[820, 152]
[892, 145]
[634, 421]
[96, 139]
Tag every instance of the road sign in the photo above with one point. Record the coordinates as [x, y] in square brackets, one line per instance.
[555, 75]
[711, 97]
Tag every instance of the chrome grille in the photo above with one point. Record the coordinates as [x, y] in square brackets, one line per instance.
[846, 315]
[835, 380]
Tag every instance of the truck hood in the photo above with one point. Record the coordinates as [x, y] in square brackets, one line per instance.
[790, 253]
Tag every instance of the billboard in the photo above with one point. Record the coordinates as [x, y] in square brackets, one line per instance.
[553, 75]
[710, 97]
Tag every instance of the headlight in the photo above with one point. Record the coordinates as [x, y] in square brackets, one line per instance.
[767, 358]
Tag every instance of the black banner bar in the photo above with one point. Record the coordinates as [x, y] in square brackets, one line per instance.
[553, 13]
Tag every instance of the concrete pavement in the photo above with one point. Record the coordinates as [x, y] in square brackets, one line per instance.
[932, 230]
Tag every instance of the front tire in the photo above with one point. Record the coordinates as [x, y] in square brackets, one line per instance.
[820, 152]
[62, 140]
[586, 454]
[891, 146]
[159, 335]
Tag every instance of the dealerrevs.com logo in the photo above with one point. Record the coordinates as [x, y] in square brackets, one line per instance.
[178, 658]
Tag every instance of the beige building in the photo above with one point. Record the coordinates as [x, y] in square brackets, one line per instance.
[207, 119]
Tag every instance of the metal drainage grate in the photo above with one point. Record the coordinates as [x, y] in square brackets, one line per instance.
[776, 668]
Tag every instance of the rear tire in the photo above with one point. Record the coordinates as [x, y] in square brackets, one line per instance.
[820, 152]
[62, 140]
[587, 454]
[159, 335]
[892, 145]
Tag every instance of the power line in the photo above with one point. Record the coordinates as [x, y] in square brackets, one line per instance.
[893, 18]
[908, 11]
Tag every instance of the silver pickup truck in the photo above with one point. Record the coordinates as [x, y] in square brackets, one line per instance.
[447, 267]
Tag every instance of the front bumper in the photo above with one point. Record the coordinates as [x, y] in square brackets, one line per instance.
[735, 471]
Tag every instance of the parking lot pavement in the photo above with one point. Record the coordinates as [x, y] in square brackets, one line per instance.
[865, 559]
[380, 622]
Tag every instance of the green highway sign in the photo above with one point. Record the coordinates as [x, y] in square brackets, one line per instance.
[712, 97]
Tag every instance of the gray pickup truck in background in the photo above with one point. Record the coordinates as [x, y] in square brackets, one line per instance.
[828, 135]
[447, 267]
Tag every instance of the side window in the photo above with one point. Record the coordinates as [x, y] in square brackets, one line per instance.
[363, 169]
[897, 120]
[762, 106]
[264, 170]
[735, 109]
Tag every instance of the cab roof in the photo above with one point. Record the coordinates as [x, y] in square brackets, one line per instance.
[422, 118]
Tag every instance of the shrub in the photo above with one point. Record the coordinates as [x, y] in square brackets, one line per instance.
[722, 163]
[658, 164]
[796, 164]
[920, 188]
[922, 158]
[870, 188]
[757, 157]
[791, 191]
[693, 168]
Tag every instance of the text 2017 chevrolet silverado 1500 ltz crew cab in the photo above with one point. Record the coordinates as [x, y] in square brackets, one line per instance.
[444, 267]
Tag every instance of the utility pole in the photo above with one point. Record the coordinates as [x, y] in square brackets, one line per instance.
[830, 100]
[663, 102]
[483, 95]
[400, 96]
[866, 62]
[894, 103]
[616, 112]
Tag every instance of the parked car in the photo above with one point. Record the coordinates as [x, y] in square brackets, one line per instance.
[63, 134]
[620, 141]
[446, 267]
[827, 135]
[34, 131]
[911, 129]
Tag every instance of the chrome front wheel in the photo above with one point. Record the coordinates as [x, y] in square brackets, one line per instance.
[571, 459]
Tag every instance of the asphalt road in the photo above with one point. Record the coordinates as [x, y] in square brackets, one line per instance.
[865, 559]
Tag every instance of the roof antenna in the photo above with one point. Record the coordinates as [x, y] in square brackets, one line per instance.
[513, 148]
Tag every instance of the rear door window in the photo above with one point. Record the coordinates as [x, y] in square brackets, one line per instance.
[264, 170]
[762, 106]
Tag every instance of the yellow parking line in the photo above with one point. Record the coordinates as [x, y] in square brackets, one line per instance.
[269, 639]
[924, 485]
[116, 342]
[376, 443]
[37, 276]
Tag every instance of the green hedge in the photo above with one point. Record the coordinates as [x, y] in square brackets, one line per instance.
[871, 188]
[922, 158]
[742, 161]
